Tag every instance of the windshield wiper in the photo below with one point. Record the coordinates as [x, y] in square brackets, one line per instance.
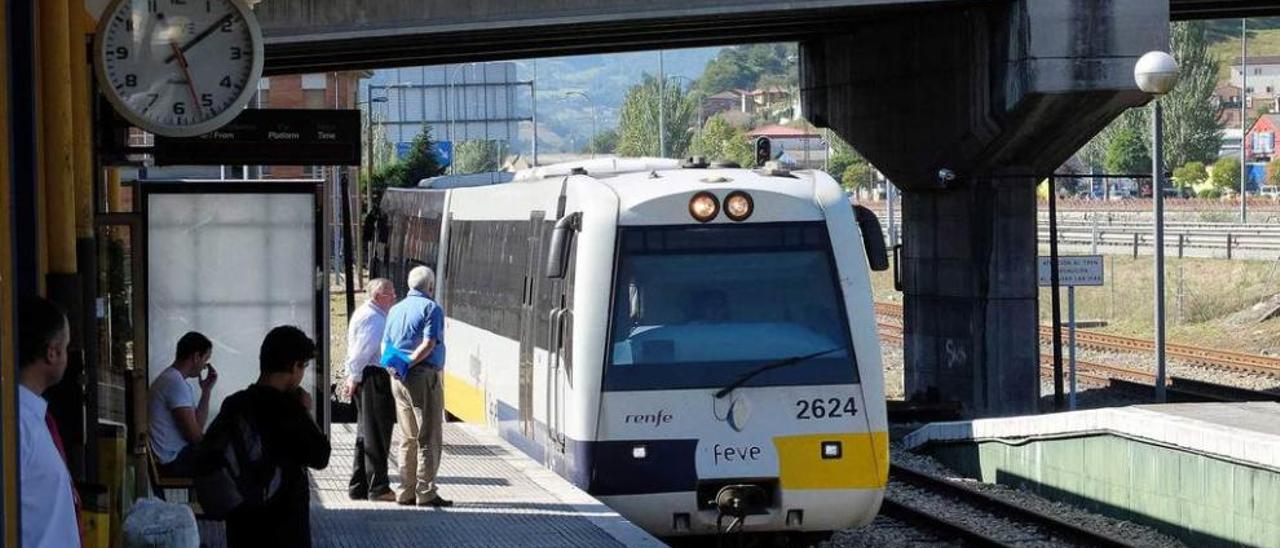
[772, 365]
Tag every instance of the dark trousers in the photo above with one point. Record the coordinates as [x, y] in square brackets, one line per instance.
[375, 418]
[182, 466]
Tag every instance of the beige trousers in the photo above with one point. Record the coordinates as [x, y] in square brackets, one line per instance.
[419, 417]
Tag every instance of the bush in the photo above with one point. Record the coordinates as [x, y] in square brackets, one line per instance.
[1211, 193]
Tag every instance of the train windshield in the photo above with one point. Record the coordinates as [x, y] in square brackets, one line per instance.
[698, 307]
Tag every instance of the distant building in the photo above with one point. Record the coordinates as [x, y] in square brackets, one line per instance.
[1226, 99]
[469, 101]
[1264, 75]
[1230, 142]
[1260, 143]
[768, 100]
[724, 101]
[1260, 146]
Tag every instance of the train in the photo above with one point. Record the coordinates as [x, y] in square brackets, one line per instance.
[693, 344]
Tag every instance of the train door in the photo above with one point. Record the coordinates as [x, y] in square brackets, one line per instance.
[529, 322]
[559, 354]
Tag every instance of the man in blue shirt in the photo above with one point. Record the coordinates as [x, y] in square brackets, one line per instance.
[415, 334]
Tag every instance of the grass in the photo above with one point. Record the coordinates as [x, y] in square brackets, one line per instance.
[1201, 298]
[1261, 42]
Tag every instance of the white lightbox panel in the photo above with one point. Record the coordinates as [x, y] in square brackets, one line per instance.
[231, 266]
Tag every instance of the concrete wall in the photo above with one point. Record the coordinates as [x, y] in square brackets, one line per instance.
[1203, 501]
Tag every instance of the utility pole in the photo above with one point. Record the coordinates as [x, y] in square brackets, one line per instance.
[533, 93]
[1244, 115]
[662, 106]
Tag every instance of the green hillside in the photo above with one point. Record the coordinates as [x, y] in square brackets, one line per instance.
[1261, 42]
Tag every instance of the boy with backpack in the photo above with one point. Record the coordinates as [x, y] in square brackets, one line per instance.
[262, 442]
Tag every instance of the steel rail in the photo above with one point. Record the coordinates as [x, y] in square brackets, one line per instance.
[1225, 359]
[1049, 525]
[1096, 374]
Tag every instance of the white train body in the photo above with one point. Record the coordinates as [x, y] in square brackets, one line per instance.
[609, 375]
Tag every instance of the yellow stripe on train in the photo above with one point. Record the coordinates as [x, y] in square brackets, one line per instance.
[463, 400]
[863, 464]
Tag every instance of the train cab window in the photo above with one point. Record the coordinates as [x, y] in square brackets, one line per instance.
[696, 307]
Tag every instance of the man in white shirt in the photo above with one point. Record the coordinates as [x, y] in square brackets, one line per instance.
[47, 495]
[177, 419]
[369, 386]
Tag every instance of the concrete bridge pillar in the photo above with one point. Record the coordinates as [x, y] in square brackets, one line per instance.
[995, 96]
[970, 297]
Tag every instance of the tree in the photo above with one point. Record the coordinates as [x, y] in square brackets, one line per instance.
[749, 67]
[1191, 122]
[479, 156]
[1190, 174]
[1273, 171]
[1126, 153]
[388, 174]
[1226, 174]
[422, 161]
[719, 140]
[855, 176]
[638, 122]
[843, 158]
[606, 142]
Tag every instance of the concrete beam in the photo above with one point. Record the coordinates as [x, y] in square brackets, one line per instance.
[322, 35]
[1015, 86]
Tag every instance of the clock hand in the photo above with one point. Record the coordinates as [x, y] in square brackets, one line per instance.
[203, 34]
[186, 71]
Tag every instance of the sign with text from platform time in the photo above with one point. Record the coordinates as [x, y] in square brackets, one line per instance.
[1073, 270]
[271, 137]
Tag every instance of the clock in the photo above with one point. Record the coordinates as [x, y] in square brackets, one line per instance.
[178, 68]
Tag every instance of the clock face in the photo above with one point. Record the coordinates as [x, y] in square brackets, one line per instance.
[178, 67]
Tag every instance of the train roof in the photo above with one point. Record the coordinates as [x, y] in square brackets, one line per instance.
[639, 179]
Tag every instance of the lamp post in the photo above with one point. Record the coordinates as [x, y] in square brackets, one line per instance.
[592, 102]
[368, 169]
[1157, 73]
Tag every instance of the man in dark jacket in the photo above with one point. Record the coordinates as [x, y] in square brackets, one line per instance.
[278, 410]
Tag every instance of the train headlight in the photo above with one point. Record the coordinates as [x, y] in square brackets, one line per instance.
[738, 206]
[639, 452]
[704, 206]
[832, 450]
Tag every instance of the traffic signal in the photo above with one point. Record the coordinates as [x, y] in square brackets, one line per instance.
[764, 151]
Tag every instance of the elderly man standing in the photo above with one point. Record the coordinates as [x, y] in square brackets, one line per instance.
[369, 387]
[415, 329]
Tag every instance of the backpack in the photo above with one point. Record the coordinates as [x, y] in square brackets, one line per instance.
[239, 473]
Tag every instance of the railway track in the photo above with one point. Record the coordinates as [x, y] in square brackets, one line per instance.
[1022, 521]
[1178, 389]
[1209, 357]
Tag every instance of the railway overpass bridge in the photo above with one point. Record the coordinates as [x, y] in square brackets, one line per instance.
[996, 92]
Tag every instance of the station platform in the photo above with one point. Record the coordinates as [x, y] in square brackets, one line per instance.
[501, 498]
[1206, 473]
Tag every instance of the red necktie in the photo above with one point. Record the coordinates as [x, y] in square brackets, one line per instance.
[57, 438]
[57, 441]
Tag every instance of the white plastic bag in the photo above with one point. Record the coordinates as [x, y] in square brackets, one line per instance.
[153, 523]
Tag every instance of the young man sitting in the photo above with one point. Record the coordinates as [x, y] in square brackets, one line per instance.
[176, 418]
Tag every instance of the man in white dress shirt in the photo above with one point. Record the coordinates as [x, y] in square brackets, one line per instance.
[369, 387]
[47, 494]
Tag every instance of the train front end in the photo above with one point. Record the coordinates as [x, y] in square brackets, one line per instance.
[742, 387]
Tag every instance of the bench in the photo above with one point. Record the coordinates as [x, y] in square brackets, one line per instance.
[165, 486]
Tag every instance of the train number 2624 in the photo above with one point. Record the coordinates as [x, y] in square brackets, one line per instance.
[824, 408]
